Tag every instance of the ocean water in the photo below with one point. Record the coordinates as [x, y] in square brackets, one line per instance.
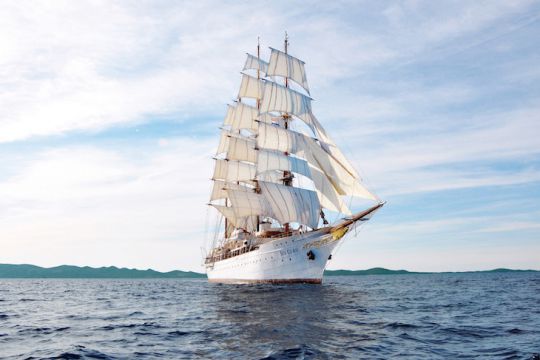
[441, 316]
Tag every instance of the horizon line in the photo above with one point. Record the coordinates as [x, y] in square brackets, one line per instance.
[326, 270]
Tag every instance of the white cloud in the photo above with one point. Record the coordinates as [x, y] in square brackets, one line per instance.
[511, 226]
[90, 65]
[71, 66]
[90, 205]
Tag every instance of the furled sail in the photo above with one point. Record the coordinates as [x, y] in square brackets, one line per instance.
[269, 119]
[254, 63]
[288, 66]
[271, 176]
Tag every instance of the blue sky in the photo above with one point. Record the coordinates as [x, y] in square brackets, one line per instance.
[109, 116]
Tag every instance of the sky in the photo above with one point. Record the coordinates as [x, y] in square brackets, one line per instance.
[110, 115]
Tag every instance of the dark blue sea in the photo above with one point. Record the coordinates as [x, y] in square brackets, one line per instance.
[441, 316]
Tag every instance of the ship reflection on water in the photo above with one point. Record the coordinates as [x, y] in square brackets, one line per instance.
[288, 320]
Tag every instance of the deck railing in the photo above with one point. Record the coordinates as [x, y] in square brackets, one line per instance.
[230, 254]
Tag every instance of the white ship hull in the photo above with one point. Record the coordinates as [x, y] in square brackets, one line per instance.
[283, 260]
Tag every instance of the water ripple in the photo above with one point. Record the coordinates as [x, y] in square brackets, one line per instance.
[443, 316]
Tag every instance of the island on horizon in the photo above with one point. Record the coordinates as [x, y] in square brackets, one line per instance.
[26, 271]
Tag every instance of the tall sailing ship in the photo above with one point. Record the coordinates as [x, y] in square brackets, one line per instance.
[276, 173]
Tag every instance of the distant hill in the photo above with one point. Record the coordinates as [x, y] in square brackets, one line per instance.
[383, 271]
[372, 271]
[112, 272]
[76, 272]
[498, 270]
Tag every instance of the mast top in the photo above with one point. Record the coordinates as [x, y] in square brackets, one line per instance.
[286, 41]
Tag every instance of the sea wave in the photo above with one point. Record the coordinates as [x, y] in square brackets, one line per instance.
[442, 316]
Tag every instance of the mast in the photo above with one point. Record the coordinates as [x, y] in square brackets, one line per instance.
[258, 70]
[258, 57]
[286, 48]
[287, 176]
[226, 224]
[257, 189]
